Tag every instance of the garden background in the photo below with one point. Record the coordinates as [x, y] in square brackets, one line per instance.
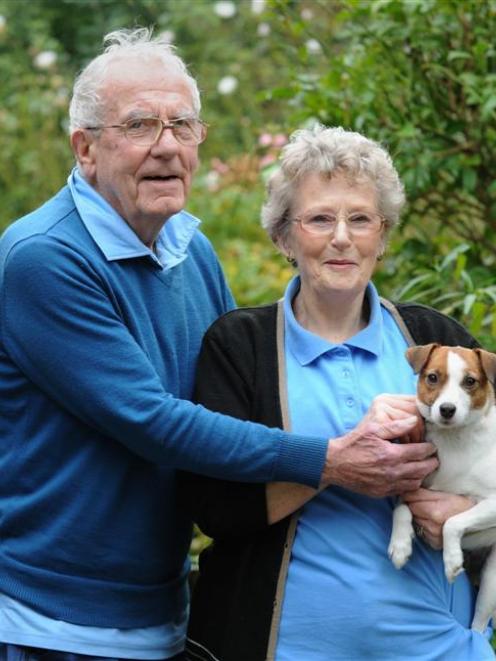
[417, 75]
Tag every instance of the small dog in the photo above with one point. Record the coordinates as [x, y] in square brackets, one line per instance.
[455, 395]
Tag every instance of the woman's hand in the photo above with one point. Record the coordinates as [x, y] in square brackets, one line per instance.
[431, 509]
[365, 460]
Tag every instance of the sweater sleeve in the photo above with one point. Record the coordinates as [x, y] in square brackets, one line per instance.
[61, 327]
[225, 383]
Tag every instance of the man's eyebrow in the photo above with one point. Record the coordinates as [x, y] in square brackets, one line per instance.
[139, 113]
[183, 114]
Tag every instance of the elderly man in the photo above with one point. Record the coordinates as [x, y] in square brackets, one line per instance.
[106, 292]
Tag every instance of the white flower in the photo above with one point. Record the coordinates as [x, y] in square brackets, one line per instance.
[313, 46]
[167, 36]
[257, 6]
[263, 30]
[225, 9]
[212, 179]
[227, 85]
[45, 59]
[306, 14]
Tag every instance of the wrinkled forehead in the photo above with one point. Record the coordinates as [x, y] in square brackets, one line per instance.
[129, 82]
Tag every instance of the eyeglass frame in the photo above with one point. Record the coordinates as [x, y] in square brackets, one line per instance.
[172, 124]
[338, 218]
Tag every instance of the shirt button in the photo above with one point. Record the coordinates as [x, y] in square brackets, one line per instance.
[350, 401]
[346, 373]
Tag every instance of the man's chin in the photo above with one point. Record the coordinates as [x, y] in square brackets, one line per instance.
[164, 209]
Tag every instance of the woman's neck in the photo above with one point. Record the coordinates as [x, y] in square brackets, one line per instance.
[334, 318]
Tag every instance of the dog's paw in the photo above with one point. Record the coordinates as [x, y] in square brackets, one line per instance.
[453, 563]
[400, 551]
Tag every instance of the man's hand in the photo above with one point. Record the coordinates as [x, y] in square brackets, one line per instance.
[365, 460]
[431, 509]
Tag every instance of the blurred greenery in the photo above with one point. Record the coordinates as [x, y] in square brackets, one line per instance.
[417, 75]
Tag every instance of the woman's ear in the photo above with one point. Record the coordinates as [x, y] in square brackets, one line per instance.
[284, 248]
[381, 249]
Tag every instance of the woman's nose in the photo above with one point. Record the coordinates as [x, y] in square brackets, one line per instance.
[341, 232]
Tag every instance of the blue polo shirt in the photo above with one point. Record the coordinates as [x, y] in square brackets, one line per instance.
[344, 599]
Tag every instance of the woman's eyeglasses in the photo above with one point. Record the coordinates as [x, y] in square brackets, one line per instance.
[325, 224]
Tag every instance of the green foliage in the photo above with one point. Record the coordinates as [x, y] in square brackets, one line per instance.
[229, 205]
[420, 77]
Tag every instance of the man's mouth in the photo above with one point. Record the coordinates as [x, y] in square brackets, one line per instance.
[169, 177]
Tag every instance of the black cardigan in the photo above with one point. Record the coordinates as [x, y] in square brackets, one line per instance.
[234, 602]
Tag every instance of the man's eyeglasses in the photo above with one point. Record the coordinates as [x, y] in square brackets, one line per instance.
[146, 131]
[357, 224]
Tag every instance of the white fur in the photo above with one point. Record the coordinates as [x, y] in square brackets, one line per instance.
[467, 465]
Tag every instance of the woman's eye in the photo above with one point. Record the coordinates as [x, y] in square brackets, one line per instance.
[359, 219]
[322, 220]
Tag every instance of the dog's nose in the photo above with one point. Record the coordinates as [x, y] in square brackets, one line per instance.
[447, 411]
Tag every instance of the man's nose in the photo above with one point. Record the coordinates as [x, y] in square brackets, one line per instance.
[166, 141]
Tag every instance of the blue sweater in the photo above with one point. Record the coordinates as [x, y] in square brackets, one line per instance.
[96, 361]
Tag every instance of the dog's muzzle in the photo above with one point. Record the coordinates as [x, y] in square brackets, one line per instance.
[447, 411]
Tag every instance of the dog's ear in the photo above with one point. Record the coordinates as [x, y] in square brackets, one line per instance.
[419, 355]
[488, 363]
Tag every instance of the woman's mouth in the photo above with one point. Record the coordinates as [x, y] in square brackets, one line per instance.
[339, 263]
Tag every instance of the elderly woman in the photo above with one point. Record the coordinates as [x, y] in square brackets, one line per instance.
[296, 575]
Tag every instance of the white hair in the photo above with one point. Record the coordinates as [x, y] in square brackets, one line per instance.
[121, 46]
[329, 151]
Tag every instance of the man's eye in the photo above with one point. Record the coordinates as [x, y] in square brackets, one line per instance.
[135, 124]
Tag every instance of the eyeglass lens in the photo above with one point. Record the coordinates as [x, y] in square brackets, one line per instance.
[147, 130]
[356, 223]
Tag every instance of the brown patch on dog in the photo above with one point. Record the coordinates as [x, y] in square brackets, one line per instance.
[433, 372]
[488, 363]
[475, 369]
[418, 356]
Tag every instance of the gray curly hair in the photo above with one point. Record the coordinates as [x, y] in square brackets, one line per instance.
[328, 151]
[87, 106]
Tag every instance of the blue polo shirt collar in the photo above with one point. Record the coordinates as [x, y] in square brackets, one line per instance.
[117, 240]
[307, 346]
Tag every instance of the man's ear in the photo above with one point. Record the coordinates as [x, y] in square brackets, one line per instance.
[83, 145]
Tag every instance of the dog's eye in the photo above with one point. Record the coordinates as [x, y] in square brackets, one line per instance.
[431, 378]
[469, 382]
